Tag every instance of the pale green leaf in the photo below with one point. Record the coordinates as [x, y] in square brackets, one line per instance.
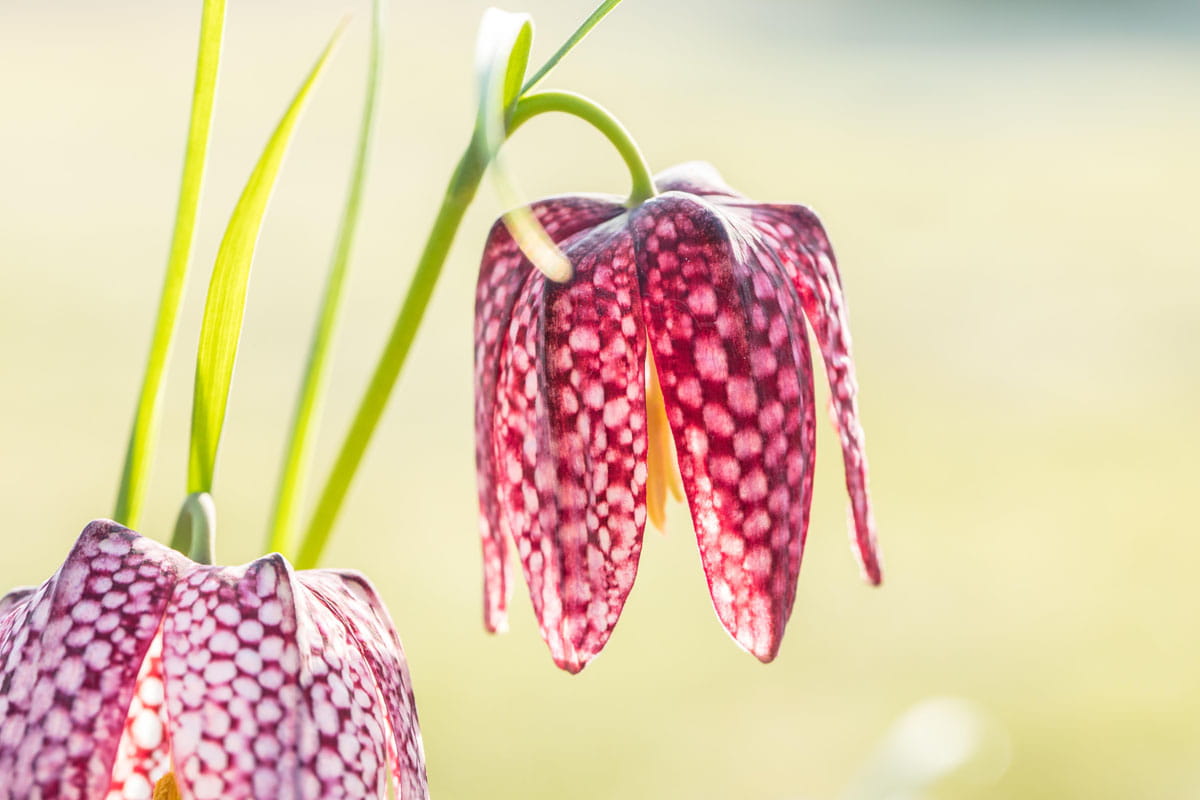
[139, 455]
[501, 56]
[298, 456]
[224, 307]
[582, 31]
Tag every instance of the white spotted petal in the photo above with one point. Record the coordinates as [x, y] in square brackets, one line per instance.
[70, 653]
[133, 661]
[502, 275]
[714, 293]
[356, 604]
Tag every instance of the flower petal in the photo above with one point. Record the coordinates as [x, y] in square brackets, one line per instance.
[502, 273]
[70, 654]
[570, 442]
[796, 235]
[728, 339]
[14, 598]
[353, 600]
[694, 177]
[143, 756]
[266, 693]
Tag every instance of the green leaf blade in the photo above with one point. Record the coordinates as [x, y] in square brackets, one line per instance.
[578, 36]
[135, 474]
[501, 58]
[309, 405]
[224, 308]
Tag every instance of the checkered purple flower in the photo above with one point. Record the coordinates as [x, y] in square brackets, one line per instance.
[134, 668]
[683, 327]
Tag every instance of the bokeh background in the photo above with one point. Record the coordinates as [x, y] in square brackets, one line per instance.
[1012, 190]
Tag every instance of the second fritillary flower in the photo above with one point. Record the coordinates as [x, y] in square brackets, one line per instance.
[134, 669]
[709, 293]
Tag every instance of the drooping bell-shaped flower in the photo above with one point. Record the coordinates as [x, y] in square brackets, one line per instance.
[134, 669]
[708, 293]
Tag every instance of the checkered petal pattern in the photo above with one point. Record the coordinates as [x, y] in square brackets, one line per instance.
[503, 272]
[70, 654]
[570, 427]
[245, 682]
[142, 760]
[737, 380]
[796, 236]
[797, 241]
[722, 290]
[354, 601]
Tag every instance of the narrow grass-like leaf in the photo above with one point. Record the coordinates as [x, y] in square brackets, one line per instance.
[139, 455]
[224, 307]
[298, 455]
[582, 31]
[501, 58]
[459, 192]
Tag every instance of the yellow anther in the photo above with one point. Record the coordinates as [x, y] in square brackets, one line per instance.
[166, 789]
[662, 473]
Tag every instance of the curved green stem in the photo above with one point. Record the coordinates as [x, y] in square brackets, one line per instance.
[599, 118]
[139, 455]
[459, 193]
[196, 528]
[298, 457]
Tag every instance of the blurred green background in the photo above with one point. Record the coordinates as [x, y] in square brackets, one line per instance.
[1012, 190]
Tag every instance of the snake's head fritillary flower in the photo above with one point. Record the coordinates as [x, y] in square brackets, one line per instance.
[683, 328]
[135, 672]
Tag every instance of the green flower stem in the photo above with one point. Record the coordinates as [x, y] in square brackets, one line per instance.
[461, 190]
[298, 456]
[142, 439]
[599, 118]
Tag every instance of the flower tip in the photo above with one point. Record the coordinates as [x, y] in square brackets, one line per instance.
[767, 657]
[865, 545]
[495, 603]
[758, 636]
[764, 649]
[99, 529]
[572, 666]
[572, 657]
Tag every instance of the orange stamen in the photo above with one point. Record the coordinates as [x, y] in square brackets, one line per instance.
[662, 472]
[166, 789]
